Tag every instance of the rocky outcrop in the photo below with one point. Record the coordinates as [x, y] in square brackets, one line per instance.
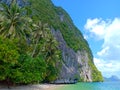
[19, 2]
[84, 68]
[75, 64]
[75, 61]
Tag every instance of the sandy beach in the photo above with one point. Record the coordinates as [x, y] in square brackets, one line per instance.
[33, 87]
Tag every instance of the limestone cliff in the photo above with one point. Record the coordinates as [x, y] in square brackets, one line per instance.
[74, 65]
[77, 60]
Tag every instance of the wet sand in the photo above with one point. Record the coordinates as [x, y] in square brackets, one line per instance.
[33, 87]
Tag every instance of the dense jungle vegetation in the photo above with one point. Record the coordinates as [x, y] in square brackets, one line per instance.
[28, 51]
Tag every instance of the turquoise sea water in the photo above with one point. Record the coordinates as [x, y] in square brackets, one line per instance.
[92, 86]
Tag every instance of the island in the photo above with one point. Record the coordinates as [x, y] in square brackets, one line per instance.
[39, 43]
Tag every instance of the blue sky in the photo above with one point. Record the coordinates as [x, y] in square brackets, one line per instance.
[99, 21]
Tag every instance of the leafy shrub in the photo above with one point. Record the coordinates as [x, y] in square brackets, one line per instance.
[30, 70]
[8, 58]
[96, 75]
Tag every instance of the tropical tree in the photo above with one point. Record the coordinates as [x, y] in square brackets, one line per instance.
[13, 21]
[39, 33]
[9, 56]
[29, 70]
[46, 45]
[51, 55]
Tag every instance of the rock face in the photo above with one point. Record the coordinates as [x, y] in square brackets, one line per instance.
[20, 2]
[75, 64]
[84, 69]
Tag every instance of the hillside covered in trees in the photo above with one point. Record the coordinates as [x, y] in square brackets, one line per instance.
[39, 43]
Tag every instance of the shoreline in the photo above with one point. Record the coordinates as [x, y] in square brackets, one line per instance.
[33, 87]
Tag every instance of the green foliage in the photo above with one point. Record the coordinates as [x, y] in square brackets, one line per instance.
[51, 55]
[30, 70]
[52, 73]
[19, 68]
[96, 75]
[44, 44]
[44, 11]
[37, 58]
[14, 21]
[8, 58]
[47, 12]
[29, 53]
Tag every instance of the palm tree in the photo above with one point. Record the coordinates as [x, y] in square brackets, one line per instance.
[39, 32]
[14, 23]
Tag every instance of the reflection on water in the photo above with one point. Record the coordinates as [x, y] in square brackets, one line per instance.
[92, 86]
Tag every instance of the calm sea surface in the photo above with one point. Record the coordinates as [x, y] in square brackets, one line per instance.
[92, 86]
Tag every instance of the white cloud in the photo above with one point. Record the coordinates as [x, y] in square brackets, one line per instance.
[96, 27]
[109, 32]
[108, 68]
[103, 52]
